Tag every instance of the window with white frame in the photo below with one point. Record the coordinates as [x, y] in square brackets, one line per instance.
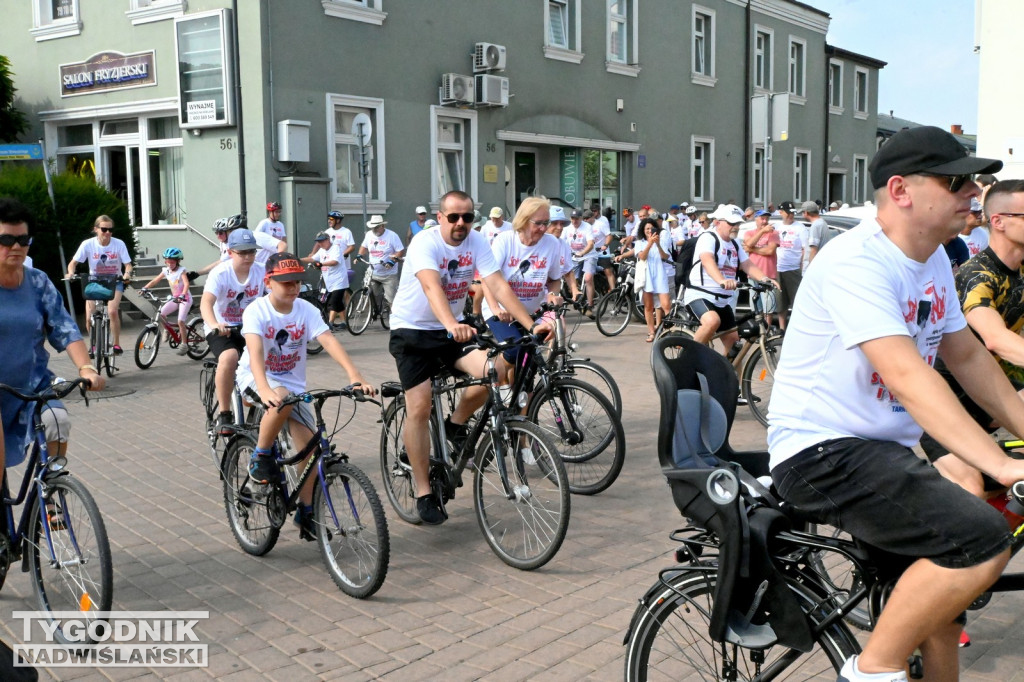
[801, 174]
[860, 178]
[345, 154]
[757, 178]
[797, 67]
[763, 59]
[702, 168]
[366, 11]
[562, 30]
[703, 52]
[835, 86]
[622, 37]
[145, 11]
[860, 93]
[453, 151]
[55, 19]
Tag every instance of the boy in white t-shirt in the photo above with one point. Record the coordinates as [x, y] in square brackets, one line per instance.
[270, 233]
[326, 255]
[276, 329]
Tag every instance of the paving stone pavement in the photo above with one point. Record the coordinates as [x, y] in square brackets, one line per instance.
[449, 607]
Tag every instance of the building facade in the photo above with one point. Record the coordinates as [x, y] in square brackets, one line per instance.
[998, 24]
[618, 102]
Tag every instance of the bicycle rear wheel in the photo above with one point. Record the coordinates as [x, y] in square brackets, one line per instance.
[78, 576]
[147, 346]
[396, 473]
[586, 432]
[757, 378]
[668, 639]
[197, 345]
[385, 314]
[597, 376]
[247, 513]
[612, 313]
[839, 576]
[352, 532]
[527, 530]
[359, 312]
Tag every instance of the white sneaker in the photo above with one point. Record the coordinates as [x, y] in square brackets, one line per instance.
[183, 349]
[850, 673]
[528, 457]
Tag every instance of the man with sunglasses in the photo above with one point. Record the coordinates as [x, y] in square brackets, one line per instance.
[855, 386]
[427, 332]
[106, 255]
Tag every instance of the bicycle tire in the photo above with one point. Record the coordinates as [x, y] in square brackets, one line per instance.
[110, 365]
[99, 346]
[595, 461]
[594, 374]
[385, 315]
[527, 531]
[757, 378]
[612, 314]
[399, 485]
[668, 638]
[355, 549]
[838, 576]
[198, 348]
[638, 307]
[79, 576]
[314, 347]
[147, 346]
[248, 517]
[359, 312]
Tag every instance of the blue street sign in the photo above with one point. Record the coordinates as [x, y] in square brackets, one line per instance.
[21, 152]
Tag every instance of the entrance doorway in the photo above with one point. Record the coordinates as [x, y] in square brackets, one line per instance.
[836, 188]
[123, 178]
[524, 176]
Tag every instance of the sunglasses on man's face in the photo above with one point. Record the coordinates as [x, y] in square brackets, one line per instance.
[10, 240]
[956, 182]
[106, 229]
[466, 217]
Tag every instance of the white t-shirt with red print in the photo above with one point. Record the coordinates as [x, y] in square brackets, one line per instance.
[528, 283]
[429, 251]
[103, 260]
[284, 341]
[233, 297]
[730, 256]
[381, 249]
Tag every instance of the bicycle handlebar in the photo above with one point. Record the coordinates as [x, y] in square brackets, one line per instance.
[752, 285]
[58, 390]
[353, 391]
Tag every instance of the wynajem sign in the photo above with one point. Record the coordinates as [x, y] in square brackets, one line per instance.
[107, 71]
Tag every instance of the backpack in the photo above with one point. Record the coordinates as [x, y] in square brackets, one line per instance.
[685, 261]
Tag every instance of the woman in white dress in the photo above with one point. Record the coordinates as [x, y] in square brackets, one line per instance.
[650, 249]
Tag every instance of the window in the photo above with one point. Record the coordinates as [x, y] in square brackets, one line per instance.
[453, 149]
[801, 174]
[366, 11]
[55, 19]
[763, 59]
[344, 154]
[145, 11]
[860, 178]
[835, 86]
[797, 69]
[758, 177]
[702, 168]
[622, 38]
[860, 93]
[562, 30]
[703, 64]
[205, 78]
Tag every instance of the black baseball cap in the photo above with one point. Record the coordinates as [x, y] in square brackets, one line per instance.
[787, 206]
[926, 149]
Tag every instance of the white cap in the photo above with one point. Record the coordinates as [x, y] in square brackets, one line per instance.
[975, 205]
[558, 213]
[430, 223]
[730, 213]
[496, 212]
[671, 218]
[690, 210]
[421, 209]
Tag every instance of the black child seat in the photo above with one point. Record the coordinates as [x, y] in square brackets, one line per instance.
[715, 487]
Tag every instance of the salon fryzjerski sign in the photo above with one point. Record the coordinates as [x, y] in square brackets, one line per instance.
[107, 71]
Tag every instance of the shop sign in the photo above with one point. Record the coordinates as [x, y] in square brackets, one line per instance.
[569, 174]
[107, 71]
[201, 111]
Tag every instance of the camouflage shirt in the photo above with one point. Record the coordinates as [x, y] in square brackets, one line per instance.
[985, 281]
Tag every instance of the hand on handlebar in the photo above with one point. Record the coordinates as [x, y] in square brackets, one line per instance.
[544, 330]
[97, 382]
[729, 285]
[366, 389]
[269, 397]
[504, 316]
[461, 332]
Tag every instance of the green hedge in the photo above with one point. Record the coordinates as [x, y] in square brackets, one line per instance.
[79, 201]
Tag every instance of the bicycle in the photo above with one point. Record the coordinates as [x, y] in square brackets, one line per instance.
[367, 304]
[351, 530]
[60, 536]
[211, 408]
[620, 305]
[148, 344]
[100, 289]
[559, 356]
[317, 296]
[520, 487]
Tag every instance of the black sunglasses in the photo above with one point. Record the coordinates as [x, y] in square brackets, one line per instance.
[10, 240]
[955, 181]
[466, 217]
[106, 229]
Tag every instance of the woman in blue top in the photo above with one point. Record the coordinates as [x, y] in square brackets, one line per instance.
[31, 313]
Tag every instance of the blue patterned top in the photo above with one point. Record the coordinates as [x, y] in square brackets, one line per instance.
[29, 316]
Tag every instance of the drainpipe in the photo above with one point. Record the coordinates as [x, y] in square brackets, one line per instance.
[828, 95]
[238, 107]
[748, 140]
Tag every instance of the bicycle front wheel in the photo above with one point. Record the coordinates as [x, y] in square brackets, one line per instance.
[585, 431]
[248, 515]
[98, 342]
[395, 471]
[758, 378]
[352, 531]
[359, 312]
[147, 346]
[526, 530]
[668, 639]
[77, 576]
[594, 374]
[385, 314]
[612, 313]
[197, 345]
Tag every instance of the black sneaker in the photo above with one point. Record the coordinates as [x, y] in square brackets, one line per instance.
[305, 523]
[456, 434]
[225, 423]
[263, 468]
[430, 510]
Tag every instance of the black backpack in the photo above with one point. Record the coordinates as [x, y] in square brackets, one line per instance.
[685, 261]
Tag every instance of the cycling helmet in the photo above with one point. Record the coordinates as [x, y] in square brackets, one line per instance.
[273, 206]
[335, 215]
[228, 224]
[173, 252]
[220, 225]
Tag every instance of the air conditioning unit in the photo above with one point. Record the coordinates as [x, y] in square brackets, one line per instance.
[456, 89]
[488, 57]
[492, 90]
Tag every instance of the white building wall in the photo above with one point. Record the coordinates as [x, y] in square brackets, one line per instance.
[998, 27]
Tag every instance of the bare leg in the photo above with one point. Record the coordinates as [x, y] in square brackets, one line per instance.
[709, 322]
[300, 436]
[416, 434]
[115, 318]
[224, 381]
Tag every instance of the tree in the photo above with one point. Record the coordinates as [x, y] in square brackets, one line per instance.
[12, 121]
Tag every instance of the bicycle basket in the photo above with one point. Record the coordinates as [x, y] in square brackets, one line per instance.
[99, 287]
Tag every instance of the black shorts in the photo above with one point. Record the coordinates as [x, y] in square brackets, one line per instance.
[420, 354]
[725, 313]
[219, 344]
[789, 282]
[886, 496]
[336, 301]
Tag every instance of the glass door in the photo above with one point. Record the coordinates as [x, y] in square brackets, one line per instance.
[122, 176]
